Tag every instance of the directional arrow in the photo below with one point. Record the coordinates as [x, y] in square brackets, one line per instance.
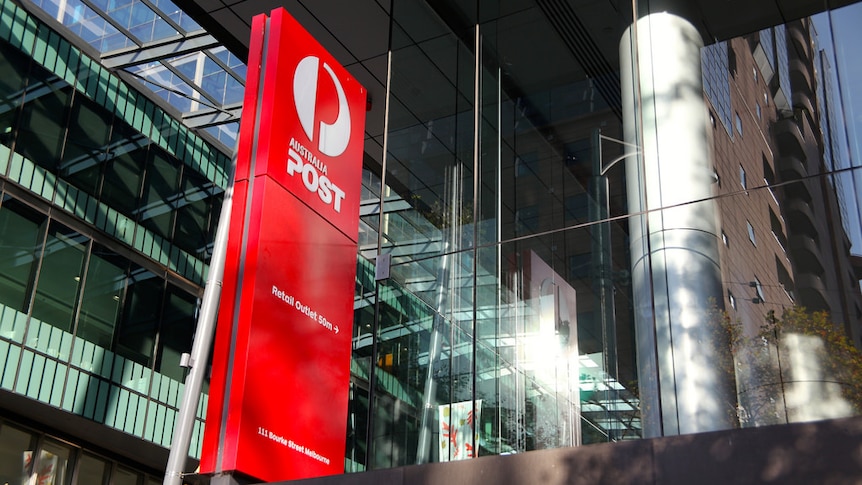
[336, 330]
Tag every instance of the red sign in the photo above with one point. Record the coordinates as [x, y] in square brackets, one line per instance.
[281, 367]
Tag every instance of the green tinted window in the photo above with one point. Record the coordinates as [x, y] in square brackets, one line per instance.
[59, 277]
[100, 304]
[137, 332]
[21, 233]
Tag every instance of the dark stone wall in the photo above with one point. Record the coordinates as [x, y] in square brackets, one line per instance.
[825, 452]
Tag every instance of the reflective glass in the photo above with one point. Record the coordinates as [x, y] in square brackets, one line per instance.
[160, 196]
[102, 296]
[123, 171]
[13, 76]
[42, 127]
[21, 233]
[53, 464]
[136, 335]
[93, 28]
[92, 470]
[407, 330]
[176, 332]
[230, 60]
[144, 24]
[124, 476]
[169, 9]
[16, 454]
[59, 277]
[87, 145]
[525, 340]
[225, 133]
[166, 84]
[194, 214]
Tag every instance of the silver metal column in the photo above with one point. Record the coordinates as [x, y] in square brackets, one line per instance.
[674, 244]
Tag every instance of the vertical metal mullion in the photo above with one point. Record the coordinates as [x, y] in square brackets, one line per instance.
[372, 374]
[477, 106]
[499, 251]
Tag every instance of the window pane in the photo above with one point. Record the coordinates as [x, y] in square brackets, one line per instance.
[159, 199]
[21, 230]
[193, 214]
[15, 449]
[177, 331]
[91, 470]
[86, 145]
[53, 463]
[12, 81]
[100, 305]
[124, 170]
[60, 277]
[125, 477]
[137, 332]
[40, 136]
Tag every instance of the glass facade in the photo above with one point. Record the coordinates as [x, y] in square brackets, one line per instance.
[28, 456]
[568, 267]
[107, 213]
[507, 210]
[492, 217]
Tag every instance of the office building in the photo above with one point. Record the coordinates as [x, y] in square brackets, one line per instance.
[572, 202]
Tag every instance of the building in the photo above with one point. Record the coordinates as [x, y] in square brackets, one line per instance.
[563, 227]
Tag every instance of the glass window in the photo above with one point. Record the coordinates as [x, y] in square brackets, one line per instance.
[751, 233]
[742, 180]
[13, 67]
[577, 207]
[137, 332]
[172, 12]
[738, 124]
[103, 291]
[16, 450]
[124, 476]
[94, 29]
[758, 290]
[177, 330]
[122, 182]
[160, 195]
[59, 276]
[53, 463]
[40, 134]
[86, 146]
[21, 233]
[580, 265]
[187, 64]
[92, 470]
[193, 214]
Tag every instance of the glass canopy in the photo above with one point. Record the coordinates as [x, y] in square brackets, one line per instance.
[168, 53]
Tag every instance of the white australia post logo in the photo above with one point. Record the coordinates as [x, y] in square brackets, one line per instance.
[333, 138]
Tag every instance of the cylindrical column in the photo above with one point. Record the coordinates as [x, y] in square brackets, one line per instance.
[686, 379]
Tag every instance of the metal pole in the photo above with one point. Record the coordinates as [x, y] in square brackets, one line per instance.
[202, 343]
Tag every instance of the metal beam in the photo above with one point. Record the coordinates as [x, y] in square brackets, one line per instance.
[159, 50]
[212, 116]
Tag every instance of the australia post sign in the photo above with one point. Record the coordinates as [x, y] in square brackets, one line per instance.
[281, 368]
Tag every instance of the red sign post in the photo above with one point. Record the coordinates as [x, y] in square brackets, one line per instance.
[281, 368]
